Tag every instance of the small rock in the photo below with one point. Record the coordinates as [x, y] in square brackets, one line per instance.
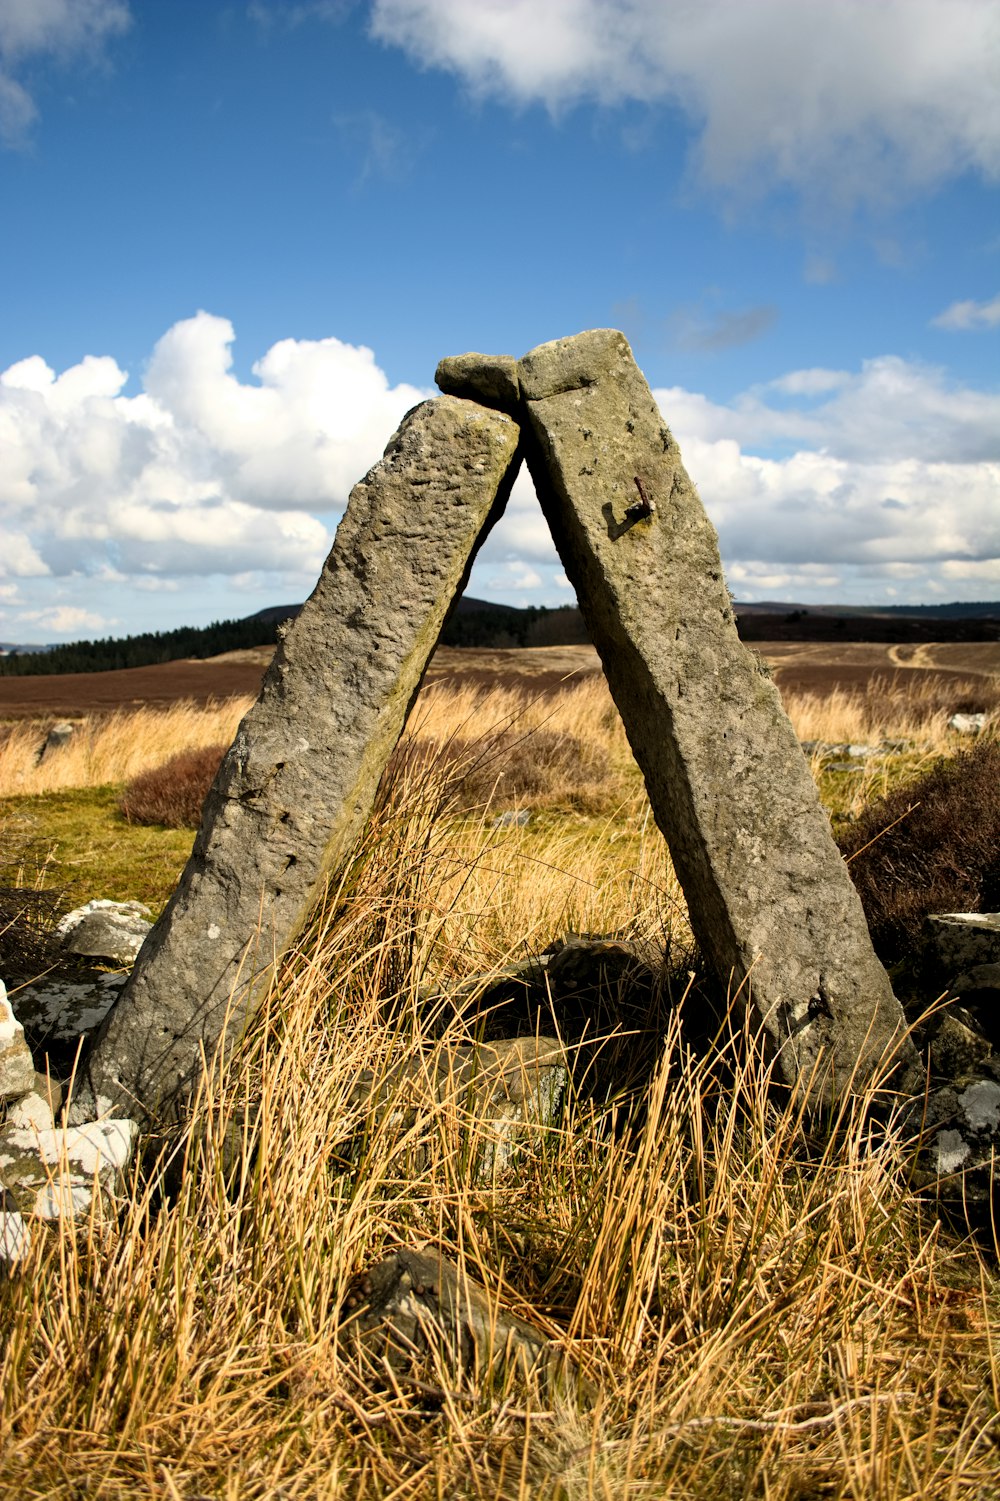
[106, 930]
[512, 820]
[955, 942]
[489, 379]
[17, 1067]
[958, 1128]
[53, 1173]
[957, 1048]
[59, 735]
[419, 1303]
[967, 724]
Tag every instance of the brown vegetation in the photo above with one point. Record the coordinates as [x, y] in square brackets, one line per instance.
[172, 794]
[931, 845]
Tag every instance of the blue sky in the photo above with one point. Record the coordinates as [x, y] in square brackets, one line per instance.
[237, 238]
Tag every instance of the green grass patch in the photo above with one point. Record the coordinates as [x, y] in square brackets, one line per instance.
[94, 852]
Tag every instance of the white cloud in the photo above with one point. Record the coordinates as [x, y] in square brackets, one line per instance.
[64, 619]
[969, 314]
[63, 31]
[847, 102]
[895, 475]
[199, 474]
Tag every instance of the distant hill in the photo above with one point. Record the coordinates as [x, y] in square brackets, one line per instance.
[479, 623]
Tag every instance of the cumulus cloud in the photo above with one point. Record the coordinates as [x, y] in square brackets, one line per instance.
[969, 314]
[62, 31]
[890, 473]
[849, 102]
[200, 473]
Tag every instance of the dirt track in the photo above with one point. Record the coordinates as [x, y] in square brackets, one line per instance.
[816, 667]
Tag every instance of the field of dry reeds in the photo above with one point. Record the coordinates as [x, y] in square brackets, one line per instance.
[755, 1308]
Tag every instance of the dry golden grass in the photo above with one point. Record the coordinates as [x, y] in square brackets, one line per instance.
[758, 1311]
[110, 748]
[894, 708]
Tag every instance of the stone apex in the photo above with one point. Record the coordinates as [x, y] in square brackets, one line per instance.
[490, 379]
[574, 363]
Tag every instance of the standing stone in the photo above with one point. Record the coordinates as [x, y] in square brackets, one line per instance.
[770, 899]
[293, 792]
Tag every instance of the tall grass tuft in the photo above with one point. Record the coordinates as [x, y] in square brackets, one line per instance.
[755, 1310]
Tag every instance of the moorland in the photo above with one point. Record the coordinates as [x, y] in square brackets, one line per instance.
[759, 1306]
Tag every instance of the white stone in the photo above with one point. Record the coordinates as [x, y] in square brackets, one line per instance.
[32, 1112]
[15, 1237]
[980, 1105]
[17, 1067]
[967, 724]
[55, 1172]
[952, 1151]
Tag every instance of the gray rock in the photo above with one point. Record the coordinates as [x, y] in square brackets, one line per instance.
[956, 942]
[957, 1130]
[17, 1067]
[490, 379]
[770, 899]
[956, 1048]
[968, 724]
[512, 819]
[53, 1174]
[293, 792]
[104, 929]
[503, 1094]
[64, 1009]
[419, 1306]
[60, 734]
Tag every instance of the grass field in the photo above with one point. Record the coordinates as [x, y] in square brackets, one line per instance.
[757, 1310]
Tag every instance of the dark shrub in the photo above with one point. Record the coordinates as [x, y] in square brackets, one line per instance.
[172, 794]
[930, 846]
[513, 766]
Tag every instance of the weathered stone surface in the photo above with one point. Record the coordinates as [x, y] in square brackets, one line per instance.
[958, 1137]
[64, 1009]
[418, 1304]
[294, 790]
[17, 1067]
[968, 724]
[54, 1174]
[103, 929]
[60, 734]
[955, 942]
[956, 1048]
[37, 1109]
[771, 902]
[490, 379]
[501, 1092]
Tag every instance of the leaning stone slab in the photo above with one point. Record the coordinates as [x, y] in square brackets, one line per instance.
[54, 1174]
[770, 900]
[294, 790]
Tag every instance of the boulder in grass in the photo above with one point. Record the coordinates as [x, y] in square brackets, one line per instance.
[956, 942]
[104, 929]
[63, 1010]
[957, 1127]
[419, 1306]
[15, 1236]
